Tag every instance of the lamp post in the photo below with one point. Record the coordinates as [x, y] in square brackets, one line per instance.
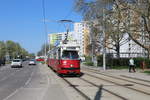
[45, 26]
[104, 45]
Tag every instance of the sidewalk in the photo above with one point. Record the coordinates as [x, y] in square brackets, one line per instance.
[138, 74]
[58, 89]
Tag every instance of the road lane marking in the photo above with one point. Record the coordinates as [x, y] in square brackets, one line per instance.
[12, 94]
[28, 81]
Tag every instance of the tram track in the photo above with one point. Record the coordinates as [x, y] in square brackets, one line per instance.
[110, 81]
[135, 78]
[121, 97]
[106, 87]
[78, 90]
[97, 86]
[95, 71]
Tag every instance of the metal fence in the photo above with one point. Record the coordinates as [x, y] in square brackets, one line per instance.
[128, 55]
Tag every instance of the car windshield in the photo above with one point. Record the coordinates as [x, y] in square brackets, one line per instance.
[32, 60]
[16, 60]
[70, 55]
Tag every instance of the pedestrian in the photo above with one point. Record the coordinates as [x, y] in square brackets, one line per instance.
[131, 65]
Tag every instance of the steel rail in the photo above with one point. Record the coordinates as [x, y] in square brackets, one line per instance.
[121, 97]
[118, 84]
[80, 92]
[95, 71]
[135, 78]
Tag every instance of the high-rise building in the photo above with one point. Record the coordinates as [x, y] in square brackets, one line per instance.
[80, 35]
[52, 38]
[56, 38]
[128, 48]
[81, 31]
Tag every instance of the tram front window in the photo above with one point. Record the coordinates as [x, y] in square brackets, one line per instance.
[70, 55]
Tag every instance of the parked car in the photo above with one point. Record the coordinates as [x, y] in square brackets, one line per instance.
[32, 62]
[16, 63]
[2, 62]
[82, 59]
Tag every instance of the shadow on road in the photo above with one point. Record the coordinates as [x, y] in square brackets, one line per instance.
[99, 93]
[72, 75]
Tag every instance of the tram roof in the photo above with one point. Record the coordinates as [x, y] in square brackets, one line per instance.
[70, 44]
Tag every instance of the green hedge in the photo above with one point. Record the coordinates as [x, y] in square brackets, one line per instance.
[114, 62]
[111, 62]
[147, 72]
[89, 63]
[88, 58]
[138, 62]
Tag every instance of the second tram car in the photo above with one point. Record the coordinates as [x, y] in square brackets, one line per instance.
[64, 59]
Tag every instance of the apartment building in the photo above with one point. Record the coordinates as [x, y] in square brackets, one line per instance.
[81, 31]
[55, 38]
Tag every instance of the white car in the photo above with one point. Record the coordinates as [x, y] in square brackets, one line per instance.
[82, 59]
[32, 62]
[16, 63]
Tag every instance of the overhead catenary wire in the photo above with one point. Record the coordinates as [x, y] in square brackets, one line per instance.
[69, 13]
[66, 18]
[45, 25]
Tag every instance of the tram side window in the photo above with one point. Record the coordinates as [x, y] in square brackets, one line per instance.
[58, 54]
[51, 56]
[70, 55]
[48, 55]
[55, 55]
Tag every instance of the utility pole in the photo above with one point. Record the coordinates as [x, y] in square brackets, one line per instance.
[45, 26]
[129, 40]
[104, 45]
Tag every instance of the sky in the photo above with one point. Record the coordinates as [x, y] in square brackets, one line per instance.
[22, 20]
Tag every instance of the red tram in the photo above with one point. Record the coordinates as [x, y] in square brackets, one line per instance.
[64, 59]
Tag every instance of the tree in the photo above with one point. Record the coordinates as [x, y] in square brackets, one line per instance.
[121, 16]
[2, 49]
[11, 48]
[87, 9]
[31, 55]
[42, 51]
[93, 11]
[15, 50]
[140, 24]
[115, 31]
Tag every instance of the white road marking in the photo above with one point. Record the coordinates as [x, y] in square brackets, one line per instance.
[28, 81]
[12, 94]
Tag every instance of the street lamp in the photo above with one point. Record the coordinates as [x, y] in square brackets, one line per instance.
[104, 45]
[45, 25]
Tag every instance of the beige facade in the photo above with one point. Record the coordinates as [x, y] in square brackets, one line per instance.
[81, 30]
[86, 41]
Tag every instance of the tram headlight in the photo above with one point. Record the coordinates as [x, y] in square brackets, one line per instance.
[64, 62]
[71, 65]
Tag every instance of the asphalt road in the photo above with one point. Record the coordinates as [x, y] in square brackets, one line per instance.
[28, 83]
